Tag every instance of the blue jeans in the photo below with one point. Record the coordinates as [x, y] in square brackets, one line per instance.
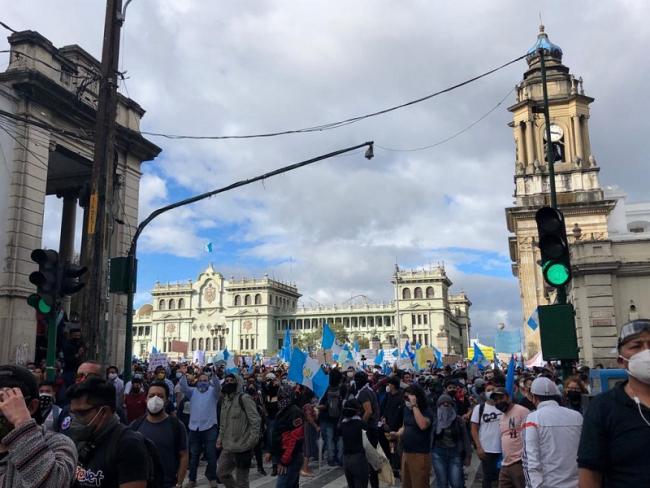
[291, 479]
[207, 440]
[448, 466]
[333, 443]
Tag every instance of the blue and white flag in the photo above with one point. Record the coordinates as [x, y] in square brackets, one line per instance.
[438, 356]
[208, 247]
[328, 337]
[408, 352]
[339, 353]
[508, 341]
[510, 376]
[355, 346]
[379, 359]
[395, 353]
[154, 350]
[533, 320]
[285, 353]
[479, 358]
[308, 372]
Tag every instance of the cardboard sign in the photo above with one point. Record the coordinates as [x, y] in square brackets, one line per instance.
[158, 359]
[179, 346]
[198, 357]
[404, 364]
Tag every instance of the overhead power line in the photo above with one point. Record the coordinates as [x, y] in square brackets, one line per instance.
[20, 118]
[341, 123]
[453, 136]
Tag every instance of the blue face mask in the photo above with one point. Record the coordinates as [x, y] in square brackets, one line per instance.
[202, 386]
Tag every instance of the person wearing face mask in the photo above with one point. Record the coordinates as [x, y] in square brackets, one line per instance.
[135, 402]
[573, 391]
[511, 474]
[30, 454]
[486, 435]
[113, 378]
[203, 422]
[355, 463]
[450, 445]
[370, 416]
[239, 433]
[270, 390]
[551, 435]
[166, 432]
[49, 410]
[391, 412]
[287, 439]
[615, 442]
[110, 454]
[331, 407]
[256, 395]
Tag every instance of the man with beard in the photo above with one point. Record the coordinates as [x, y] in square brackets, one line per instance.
[166, 432]
[30, 455]
[511, 423]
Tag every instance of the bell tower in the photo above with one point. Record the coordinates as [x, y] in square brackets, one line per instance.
[579, 194]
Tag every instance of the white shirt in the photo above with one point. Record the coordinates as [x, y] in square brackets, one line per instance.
[551, 439]
[489, 431]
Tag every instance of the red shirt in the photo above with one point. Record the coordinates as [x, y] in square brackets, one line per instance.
[136, 405]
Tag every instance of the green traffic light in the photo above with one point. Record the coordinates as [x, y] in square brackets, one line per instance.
[43, 307]
[557, 274]
[39, 303]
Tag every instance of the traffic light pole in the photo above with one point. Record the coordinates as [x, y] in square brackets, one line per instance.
[131, 261]
[50, 359]
[561, 296]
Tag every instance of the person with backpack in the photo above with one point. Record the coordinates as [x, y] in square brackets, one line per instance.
[239, 433]
[486, 434]
[370, 416]
[392, 417]
[167, 433]
[330, 407]
[110, 454]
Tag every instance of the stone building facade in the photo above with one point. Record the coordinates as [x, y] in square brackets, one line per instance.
[251, 315]
[48, 99]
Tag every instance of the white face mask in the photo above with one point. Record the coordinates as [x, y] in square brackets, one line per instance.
[639, 366]
[387, 389]
[155, 405]
[488, 395]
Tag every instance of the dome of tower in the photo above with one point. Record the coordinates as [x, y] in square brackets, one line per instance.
[552, 50]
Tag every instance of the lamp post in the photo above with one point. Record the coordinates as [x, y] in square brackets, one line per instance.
[397, 314]
[130, 269]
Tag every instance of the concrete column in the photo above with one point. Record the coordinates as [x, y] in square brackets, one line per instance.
[530, 143]
[521, 146]
[585, 133]
[577, 129]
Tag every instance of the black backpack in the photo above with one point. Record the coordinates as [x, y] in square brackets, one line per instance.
[155, 472]
[334, 403]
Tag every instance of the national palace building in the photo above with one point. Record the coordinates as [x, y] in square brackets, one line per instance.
[249, 316]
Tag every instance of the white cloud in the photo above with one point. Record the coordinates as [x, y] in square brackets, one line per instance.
[338, 227]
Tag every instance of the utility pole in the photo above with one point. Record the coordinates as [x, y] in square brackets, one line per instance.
[94, 313]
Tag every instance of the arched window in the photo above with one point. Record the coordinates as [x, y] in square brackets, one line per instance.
[429, 291]
[181, 303]
[201, 344]
[194, 344]
[417, 293]
[237, 300]
[258, 299]
[247, 300]
[161, 305]
[406, 294]
[172, 304]
[208, 344]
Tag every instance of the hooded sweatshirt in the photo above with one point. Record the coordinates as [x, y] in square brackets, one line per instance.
[240, 422]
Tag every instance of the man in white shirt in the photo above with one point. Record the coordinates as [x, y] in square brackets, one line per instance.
[551, 438]
[486, 434]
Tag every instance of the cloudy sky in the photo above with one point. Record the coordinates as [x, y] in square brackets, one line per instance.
[337, 228]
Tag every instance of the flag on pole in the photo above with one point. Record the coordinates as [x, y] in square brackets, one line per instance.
[408, 352]
[308, 372]
[355, 346]
[208, 247]
[328, 337]
[285, 353]
[510, 376]
[230, 362]
[479, 358]
[533, 320]
[379, 359]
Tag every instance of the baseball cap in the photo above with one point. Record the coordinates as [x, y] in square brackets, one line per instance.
[499, 390]
[543, 386]
[633, 329]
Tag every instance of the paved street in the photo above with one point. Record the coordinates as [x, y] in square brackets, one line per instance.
[328, 477]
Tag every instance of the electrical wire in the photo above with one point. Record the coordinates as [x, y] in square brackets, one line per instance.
[38, 157]
[341, 123]
[43, 125]
[8, 28]
[453, 136]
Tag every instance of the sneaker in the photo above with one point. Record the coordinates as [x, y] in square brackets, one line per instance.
[261, 471]
[213, 484]
[274, 471]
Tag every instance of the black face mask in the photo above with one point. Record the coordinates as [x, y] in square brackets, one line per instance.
[228, 388]
[502, 406]
[272, 389]
[574, 396]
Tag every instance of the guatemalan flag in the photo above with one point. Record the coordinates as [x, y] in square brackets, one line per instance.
[533, 320]
[308, 372]
[379, 359]
[438, 356]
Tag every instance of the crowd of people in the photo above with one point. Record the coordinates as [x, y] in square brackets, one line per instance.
[379, 426]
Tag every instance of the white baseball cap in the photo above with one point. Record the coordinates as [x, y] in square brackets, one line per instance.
[543, 386]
